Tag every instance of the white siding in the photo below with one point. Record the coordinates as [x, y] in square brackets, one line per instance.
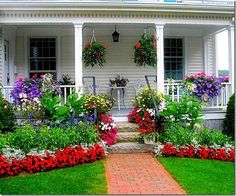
[20, 57]
[1, 56]
[194, 55]
[67, 56]
[211, 55]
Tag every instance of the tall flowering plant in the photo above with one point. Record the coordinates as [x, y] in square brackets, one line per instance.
[145, 51]
[203, 86]
[94, 53]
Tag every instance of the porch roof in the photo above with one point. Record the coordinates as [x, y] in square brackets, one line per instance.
[180, 6]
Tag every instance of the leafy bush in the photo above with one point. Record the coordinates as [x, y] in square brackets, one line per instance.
[177, 135]
[229, 121]
[144, 99]
[7, 116]
[23, 138]
[27, 137]
[103, 103]
[3, 142]
[211, 137]
[186, 112]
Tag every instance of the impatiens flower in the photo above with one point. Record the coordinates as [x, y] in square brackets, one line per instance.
[138, 46]
[87, 44]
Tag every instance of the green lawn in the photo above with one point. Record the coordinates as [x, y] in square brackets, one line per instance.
[81, 179]
[199, 176]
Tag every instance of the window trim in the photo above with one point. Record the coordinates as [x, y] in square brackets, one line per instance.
[183, 57]
[56, 53]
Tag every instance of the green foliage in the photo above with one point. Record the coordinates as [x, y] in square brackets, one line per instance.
[229, 121]
[186, 112]
[145, 51]
[7, 116]
[82, 179]
[103, 103]
[49, 103]
[144, 98]
[202, 177]
[3, 142]
[23, 138]
[94, 54]
[27, 137]
[210, 137]
[177, 135]
[75, 103]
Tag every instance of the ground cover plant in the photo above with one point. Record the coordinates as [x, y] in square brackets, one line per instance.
[82, 179]
[197, 176]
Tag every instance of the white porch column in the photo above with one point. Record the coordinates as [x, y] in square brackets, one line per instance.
[231, 55]
[160, 57]
[78, 56]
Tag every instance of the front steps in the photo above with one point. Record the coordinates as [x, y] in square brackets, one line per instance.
[127, 140]
[130, 147]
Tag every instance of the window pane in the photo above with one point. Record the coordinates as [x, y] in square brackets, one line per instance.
[173, 58]
[42, 54]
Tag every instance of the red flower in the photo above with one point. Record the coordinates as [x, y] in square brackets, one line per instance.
[87, 44]
[138, 46]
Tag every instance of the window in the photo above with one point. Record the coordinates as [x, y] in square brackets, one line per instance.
[42, 56]
[173, 58]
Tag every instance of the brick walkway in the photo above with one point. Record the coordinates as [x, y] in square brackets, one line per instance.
[139, 173]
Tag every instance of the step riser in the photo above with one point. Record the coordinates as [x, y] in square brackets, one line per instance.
[130, 148]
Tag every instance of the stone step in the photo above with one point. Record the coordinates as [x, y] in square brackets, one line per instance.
[130, 147]
[127, 127]
[127, 136]
[120, 119]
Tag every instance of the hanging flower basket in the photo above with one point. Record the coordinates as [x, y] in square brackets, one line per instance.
[145, 51]
[94, 53]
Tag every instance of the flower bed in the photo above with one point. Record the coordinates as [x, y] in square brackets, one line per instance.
[67, 157]
[202, 152]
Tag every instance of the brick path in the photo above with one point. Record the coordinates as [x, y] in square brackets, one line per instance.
[139, 173]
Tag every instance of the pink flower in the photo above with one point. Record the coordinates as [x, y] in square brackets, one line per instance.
[41, 76]
[20, 79]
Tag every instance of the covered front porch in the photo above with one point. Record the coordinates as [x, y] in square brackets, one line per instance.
[182, 49]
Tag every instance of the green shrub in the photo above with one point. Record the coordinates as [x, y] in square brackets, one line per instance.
[3, 142]
[23, 138]
[229, 121]
[209, 137]
[177, 135]
[7, 116]
[26, 137]
[186, 112]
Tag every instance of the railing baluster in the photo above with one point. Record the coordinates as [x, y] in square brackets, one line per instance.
[178, 93]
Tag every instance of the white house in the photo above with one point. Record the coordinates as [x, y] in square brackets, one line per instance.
[39, 36]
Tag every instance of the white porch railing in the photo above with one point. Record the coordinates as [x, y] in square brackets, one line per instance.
[175, 90]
